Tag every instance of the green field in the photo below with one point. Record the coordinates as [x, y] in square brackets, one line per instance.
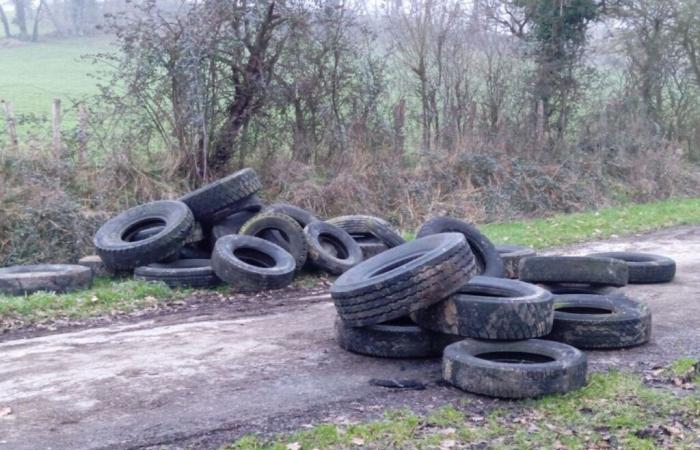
[33, 74]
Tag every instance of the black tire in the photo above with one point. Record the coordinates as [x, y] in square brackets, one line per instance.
[403, 279]
[399, 338]
[362, 228]
[250, 264]
[196, 273]
[518, 369]
[330, 248]
[644, 268]
[250, 204]
[578, 288]
[301, 215]
[197, 234]
[574, 269]
[488, 261]
[230, 225]
[23, 280]
[282, 230]
[114, 240]
[600, 321]
[222, 194]
[370, 247]
[491, 308]
[511, 256]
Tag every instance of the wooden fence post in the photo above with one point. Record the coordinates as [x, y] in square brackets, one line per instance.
[82, 132]
[10, 125]
[56, 125]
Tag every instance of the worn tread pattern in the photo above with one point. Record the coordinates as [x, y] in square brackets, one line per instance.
[511, 256]
[301, 215]
[369, 226]
[196, 273]
[644, 268]
[26, 279]
[220, 195]
[574, 269]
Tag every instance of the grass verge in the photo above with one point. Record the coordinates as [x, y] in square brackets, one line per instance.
[615, 410]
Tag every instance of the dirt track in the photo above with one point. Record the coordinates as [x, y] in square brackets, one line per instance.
[198, 381]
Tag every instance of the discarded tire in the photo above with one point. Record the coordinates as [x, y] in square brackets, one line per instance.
[488, 261]
[574, 269]
[578, 288]
[403, 279]
[221, 195]
[370, 246]
[182, 272]
[491, 308]
[288, 234]
[519, 369]
[251, 264]
[398, 338]
[644, 268]
[22, 280]
[302, 216]
[250, 204]
[364, 228]
[330, 248]
[511, 256]
[230, 225]
[95, 264]
[600, 321]
[114, 240]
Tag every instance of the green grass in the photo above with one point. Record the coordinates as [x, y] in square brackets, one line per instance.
[33, 74]
[105, 297]
[615, 409]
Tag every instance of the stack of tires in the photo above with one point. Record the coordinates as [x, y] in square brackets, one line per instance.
[223, 232]
[447, 293]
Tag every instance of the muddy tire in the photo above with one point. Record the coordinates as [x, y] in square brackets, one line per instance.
[644, 268]
[403, 279]
[519, 369]
[281, 230]
[578, 288]
[511, 256]
[370, 247]
[220, 196]
[330, 248]
[600, 321]
[399, 338]
[95, 264]
[488, 261]
[363, 228]
[491, 308]
[114, 240]
[574, 269]
[301, 215]
[251, 264]
[23, 280]
[196, 273]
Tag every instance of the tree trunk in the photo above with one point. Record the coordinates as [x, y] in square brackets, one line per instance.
[5, 23]
[21, 18]
[37, 16]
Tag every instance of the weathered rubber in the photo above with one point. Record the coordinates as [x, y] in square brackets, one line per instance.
[301, 215]
[95, 264]
[491, 308]
[196, 273]
[251, 203]
[222, 194]
[230, 225]
[281, 230]
[364, 227]
[566, 371]
[343, 254]
[578, 288]
[23, 280]
[399, 338]
[370, 247]
[118, 252]
[266, 265]
[627, 324]
[403, 279]
[511, 256]
[488, 261]
[574, 269]
[644, 268]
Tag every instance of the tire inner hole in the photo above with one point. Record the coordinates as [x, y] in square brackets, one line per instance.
[333, 246]
[254, 257]
[394, 265]
[141, 230]
[515, 357]
[401, 321]
[583, 310]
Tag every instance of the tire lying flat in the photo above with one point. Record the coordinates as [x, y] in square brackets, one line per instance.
[488, 261]
[196, 273]
[518, 369]
[491, 308]
[644, 268]
[574, 269]
[399, 338]
[114, 240]
[367, 227]
[331, 248]
[403, 279]
[27, 279]
[578, 288]
[511, 256]
[250, 264]
[600, 321]
[221, 195]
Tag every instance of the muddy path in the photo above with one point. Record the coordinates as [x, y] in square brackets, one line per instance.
[200, 380]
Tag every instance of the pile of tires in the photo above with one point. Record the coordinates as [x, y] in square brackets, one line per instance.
[506, 322]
